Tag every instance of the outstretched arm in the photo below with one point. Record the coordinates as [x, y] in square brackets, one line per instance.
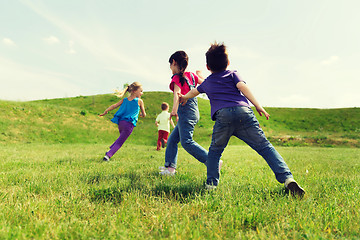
[247, 93]
[193, 93]
[142, 108]
[112, 107]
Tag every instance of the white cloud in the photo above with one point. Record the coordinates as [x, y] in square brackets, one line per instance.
[103, 50]
[22, 82]
[71, 48]
[245, 53]
[51, 40]
[330, 60]
[293, 100]
[8, 42]
[351, 99]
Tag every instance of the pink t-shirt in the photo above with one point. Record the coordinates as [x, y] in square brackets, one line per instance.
[185, 88]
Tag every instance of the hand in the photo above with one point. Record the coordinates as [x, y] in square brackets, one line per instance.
[262, 111]
[103, 114]
[172, 114]
[199, 73]
[182, 100]
[201, 79]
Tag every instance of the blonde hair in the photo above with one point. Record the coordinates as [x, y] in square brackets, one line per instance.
[130, 88]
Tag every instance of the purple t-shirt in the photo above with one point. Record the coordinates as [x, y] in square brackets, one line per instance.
[222, 91]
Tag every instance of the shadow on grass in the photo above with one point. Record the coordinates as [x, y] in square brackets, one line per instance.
[269, 193]
[182, 193]
[120, 184]
[111, 194]
[273, 193]
[181, 189]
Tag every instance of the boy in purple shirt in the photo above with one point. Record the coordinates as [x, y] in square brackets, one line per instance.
[233, 116]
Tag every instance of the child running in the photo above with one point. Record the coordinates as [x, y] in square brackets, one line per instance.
[127, 115]
[188, 114]
[233, 116]
[162, 122]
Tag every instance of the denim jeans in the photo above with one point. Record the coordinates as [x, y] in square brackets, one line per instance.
[183, 132]
[241, 122]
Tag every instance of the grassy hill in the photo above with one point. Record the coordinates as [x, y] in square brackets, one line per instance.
[76, 120]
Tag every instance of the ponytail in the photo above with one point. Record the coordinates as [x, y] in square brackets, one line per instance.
[121, 93]
[129, 88]
[182, 78]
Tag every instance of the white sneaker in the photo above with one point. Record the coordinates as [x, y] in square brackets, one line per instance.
[210, 187]
[166, 172]
[106, 158]
[162, 168]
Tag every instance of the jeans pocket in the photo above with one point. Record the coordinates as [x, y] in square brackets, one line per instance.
[223, 116]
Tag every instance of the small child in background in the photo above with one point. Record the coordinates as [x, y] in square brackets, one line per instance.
[127, 115]
[163, 121]
[230, 109]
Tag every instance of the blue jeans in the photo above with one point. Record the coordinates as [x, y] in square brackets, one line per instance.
[241, 122]
[183, 132]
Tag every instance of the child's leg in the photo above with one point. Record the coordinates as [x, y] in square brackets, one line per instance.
[125, 129]
[186, 127]
[172, 148]
[165, 136]
[186, 130]
[251, 133]
[220, 139]
[158, 145]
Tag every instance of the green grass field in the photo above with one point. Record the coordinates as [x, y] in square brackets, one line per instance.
[65, 191]
[54, 185]
[75, 120]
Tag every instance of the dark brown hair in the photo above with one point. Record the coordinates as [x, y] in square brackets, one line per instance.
[217, 57]
[164, 106]
[181, 59]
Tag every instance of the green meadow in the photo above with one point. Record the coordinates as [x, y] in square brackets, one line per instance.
[54, 185]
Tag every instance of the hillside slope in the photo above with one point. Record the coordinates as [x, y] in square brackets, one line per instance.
[73, 120]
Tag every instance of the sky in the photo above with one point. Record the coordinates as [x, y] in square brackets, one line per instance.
[290, 53]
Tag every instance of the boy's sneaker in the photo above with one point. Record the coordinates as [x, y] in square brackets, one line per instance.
[162, 143]
[166, 172]
[106, 158]
[210, 187]
[294, 187]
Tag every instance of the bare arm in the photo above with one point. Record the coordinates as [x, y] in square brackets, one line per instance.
[193, 93]
[247, 93]
[142, 108]
[112, 107]
[174, 110]
[172, 123]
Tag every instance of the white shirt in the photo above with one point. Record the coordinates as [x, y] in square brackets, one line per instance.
[164, 121]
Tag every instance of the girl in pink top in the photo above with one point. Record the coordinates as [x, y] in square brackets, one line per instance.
[187, 115]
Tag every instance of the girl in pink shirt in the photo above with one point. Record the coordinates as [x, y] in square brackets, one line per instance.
[187, 115]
